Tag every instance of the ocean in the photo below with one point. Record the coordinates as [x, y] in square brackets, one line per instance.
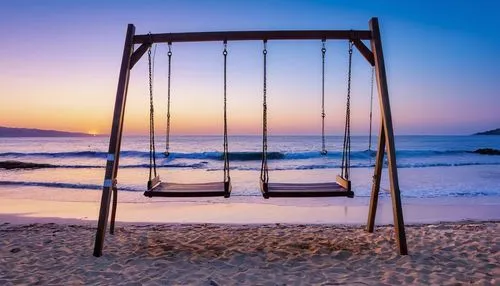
[429, 166]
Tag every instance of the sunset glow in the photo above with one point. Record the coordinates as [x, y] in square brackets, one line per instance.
[65, 78]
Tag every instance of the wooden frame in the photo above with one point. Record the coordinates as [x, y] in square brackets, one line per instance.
[374, 57]
[253, 36]
[386, 139]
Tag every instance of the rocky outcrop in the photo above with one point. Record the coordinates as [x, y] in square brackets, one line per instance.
[490, 132]
[9, 165]
[487, 151]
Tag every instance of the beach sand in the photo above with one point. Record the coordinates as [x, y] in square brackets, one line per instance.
[47, 238]
[212, 254]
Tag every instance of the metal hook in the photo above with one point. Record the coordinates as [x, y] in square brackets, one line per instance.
[150, 39]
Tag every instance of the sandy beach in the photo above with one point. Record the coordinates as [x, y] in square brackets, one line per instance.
[211, 254]
[249, 143]
[47, 238]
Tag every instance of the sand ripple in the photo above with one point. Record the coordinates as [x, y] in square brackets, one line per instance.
[250, 255]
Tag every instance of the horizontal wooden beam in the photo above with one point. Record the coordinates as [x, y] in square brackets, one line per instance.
[254, 35]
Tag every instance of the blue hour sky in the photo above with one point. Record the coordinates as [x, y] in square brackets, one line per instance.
[59, 64]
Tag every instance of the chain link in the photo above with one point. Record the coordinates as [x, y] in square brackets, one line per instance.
[264, 172]
[226, 148]
[152, 151]
[346, 154]
[323, 144]
[167, 139]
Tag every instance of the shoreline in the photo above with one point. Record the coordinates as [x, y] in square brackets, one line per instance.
[32, 205]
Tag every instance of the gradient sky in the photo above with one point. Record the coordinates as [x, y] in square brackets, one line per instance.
[59, 64]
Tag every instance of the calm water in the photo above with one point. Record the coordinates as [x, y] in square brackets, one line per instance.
[429, 166]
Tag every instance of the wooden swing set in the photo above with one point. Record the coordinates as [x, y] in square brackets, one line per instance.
[342, 185]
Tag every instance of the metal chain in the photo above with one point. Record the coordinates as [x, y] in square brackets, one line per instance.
[323, 51]
[167, 139]
[226, 148]
[264, 172]
[371, 111]
[346, 154]
[152, 151]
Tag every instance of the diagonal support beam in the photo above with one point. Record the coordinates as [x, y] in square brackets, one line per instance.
[363, 49]
[377, 175]
[137, 55]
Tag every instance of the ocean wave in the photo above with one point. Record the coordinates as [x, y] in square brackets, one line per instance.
[413, 194]
[458, 164]
[64, 185]
[79, 154]
[200, 165]
[233, 156]
[216, 156]
[12, 165]
[272, 167]
[236, 156]
[355, 166]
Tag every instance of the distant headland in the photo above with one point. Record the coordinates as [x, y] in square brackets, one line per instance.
[27, 132]
[489, 132]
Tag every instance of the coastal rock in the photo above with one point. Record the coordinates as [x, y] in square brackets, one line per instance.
[9, 165]
[489, 132]
[487, 151]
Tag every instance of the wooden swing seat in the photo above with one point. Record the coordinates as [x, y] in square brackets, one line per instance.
[340, 188]
[156, 188]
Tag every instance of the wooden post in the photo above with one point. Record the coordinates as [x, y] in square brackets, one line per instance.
[376, 44]
[113, 211]
[377, 174]
[114, 140]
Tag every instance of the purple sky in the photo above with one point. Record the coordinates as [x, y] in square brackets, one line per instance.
[59, 63]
